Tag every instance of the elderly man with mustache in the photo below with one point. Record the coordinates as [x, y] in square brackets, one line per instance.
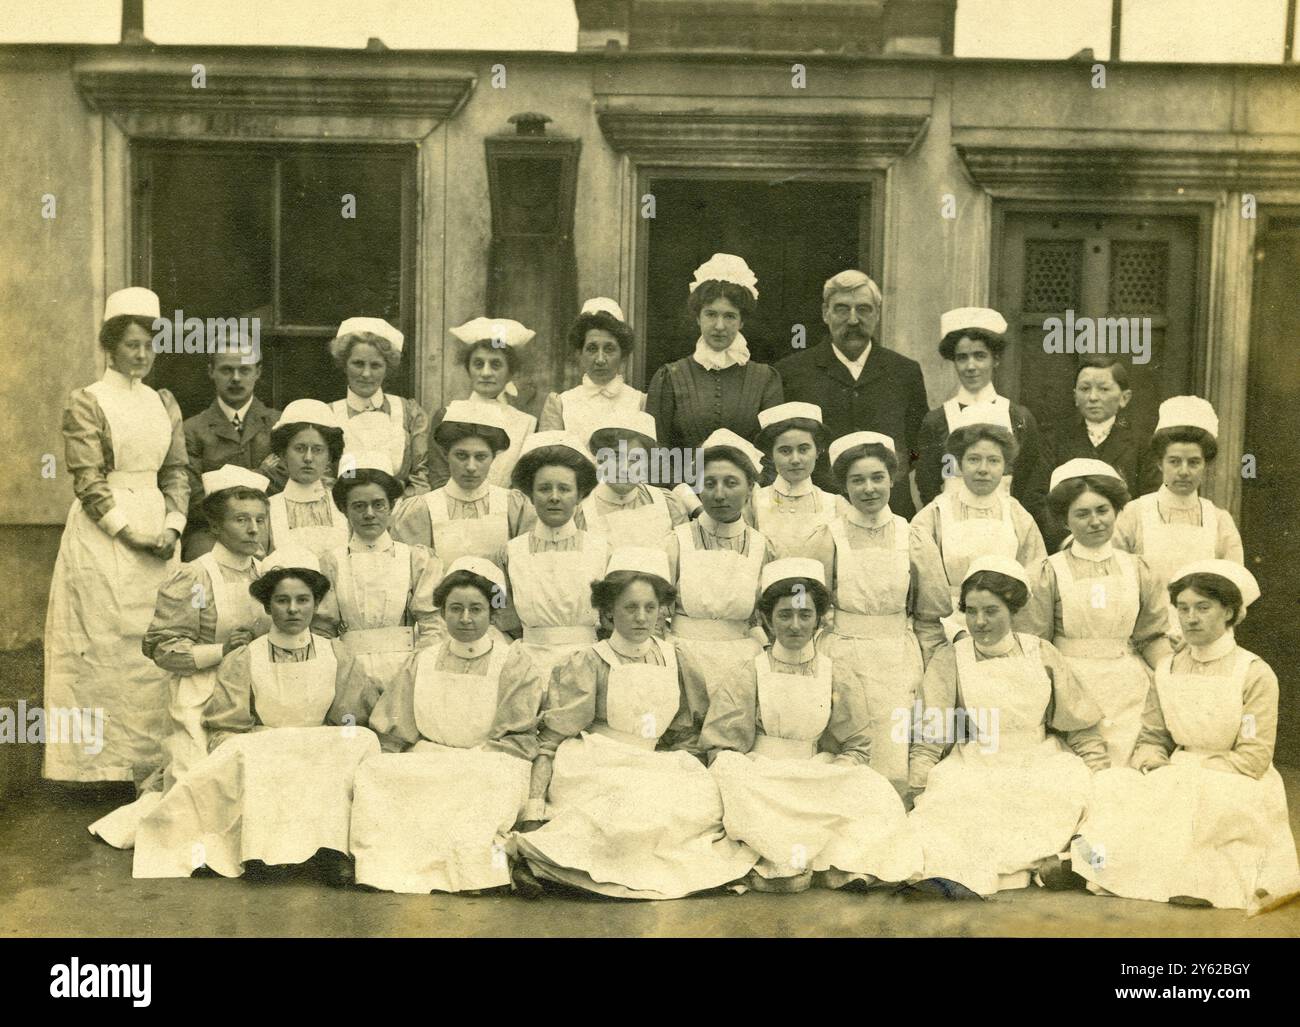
[859, 385]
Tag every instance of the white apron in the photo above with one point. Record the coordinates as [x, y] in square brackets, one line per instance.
[483, 537]
[626, 820]
[314, 538]
[436, 818]
[1167, 548]
[1098, 616]
[789, 530]
[187, 742]
[995, 806]
[950, 412]
[961, 541]
[519, 425]
[372, 589]
[716, 590]
[551, 593]
[642, 526]
[795, 807]
[871, 639]
[101, 601]
[1182, 830]
[374, 431]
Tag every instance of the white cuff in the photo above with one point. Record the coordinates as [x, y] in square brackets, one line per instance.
[113, 522]
[535, 809]
[206, 656]
[688, 497]
[175, 520]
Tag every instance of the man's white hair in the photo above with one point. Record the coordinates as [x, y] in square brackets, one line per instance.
[850, 281]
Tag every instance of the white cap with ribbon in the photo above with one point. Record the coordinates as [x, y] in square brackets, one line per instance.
[726, 267]
[372, 326]
[499, 330]
[603, 305]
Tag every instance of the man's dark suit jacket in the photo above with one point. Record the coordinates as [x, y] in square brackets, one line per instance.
[1121, 449]
[889, 397]
[211, 442]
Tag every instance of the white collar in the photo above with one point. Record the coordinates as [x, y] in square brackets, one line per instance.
[565, 531]
[732, 530]
[380, 545]
[1100, 554]
[793, 656]
[115, 378]
[855, 366]
[968, 498]
[784, 488]
[882, 517]
[282, 641]
[360, 405]
[1171, 500]
[1099, 432]
[226, 558]
[461, 496]
[610, 390]
[632, 650]
[481, 646]
[988, 394]
[1216, 650]
[1001, 648]
[299, 493]
[606, 494]
[713, 360]
[230, 411]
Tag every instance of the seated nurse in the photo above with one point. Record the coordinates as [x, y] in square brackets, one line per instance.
[433, 812]
[308, 441]
[1005, 749]
[1199, 817]
[630, 811]
[380, 605]
[789, 741]
[277, 784]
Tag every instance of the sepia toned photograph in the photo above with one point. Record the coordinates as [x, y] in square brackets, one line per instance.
[651, 469]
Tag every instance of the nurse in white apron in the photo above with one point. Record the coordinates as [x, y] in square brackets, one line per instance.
[468, 516]
[367, 349]
[1174, 524]
[789, 743]
[277, 785]
[1018, 739]
[716, 560]
[458, 728]
[629, 810]
[975, 519]
[126, 453]
[552, 566]
[889, 594]
[602, 340]
[493, 351]
[1102, 608]
[628, 504]
[1200, 815]
[790, 510]
[308, 440]
[380, 603]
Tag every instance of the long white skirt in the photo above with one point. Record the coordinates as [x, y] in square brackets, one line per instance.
[889, 671]
[1184, 830]
[1119, 686]
[812, 814]
[633, 823]
[275, 795]
[985, 819]
[96, 678]
[436, 818]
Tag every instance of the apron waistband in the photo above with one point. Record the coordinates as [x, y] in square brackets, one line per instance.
[784, 748]
[1095, 648]
[865, 625]
[577, 634]
[133, 479]
[379, 640]
[626, 737]
[705, 629]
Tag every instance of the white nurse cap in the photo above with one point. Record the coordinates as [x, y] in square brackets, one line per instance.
[371, 326]
[983, 318]
[603, 305]
[637, 421]
[365, 460]
[1188, 412]
[999, 565]
[788, 412]
[726, 267]
[308, 411]
[132, 302]
[544, 439]
[501, 331]
[1083, 467]
[1234, 572]
[483, 568]
[463, 411]
[641, 559]
[998, 415]
[727, 437]
[792, 567]
[859, 438]
[233, 476]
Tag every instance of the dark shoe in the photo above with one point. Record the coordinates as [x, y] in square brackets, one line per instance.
[523, 882]
[936, 888]
[1190, 901]
[1057, 875]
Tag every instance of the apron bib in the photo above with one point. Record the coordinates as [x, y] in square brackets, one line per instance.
[643, 525]
[788, 528]
[962, 541]
[315, 538]
[1167, 548]
[292, 694]
[469, 536]
[552, 590]
[794, 709]
[374, 431]
[950, 411]
[456, 710]
[718, 585]
[641, 699]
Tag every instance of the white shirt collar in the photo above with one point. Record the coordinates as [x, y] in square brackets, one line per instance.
[470, 650]
[296, 492]
[794, 656]
[968, 498]
[784, 488]
[1099, 432]
[713, 360]
[1000, 648]
[1100, 554]
[501, 399]
[855, 366]
[632, 650]
[360, 405]
[230, 411]
[1216, 650]
[1170, 499]
[883, 516]
[988, 394]
[565, 531]
[610, 390]
[380, 545]
[115, 378]
[226, 558]
[282, 641]
[606, 494]
[735, 528]
[461, 496]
